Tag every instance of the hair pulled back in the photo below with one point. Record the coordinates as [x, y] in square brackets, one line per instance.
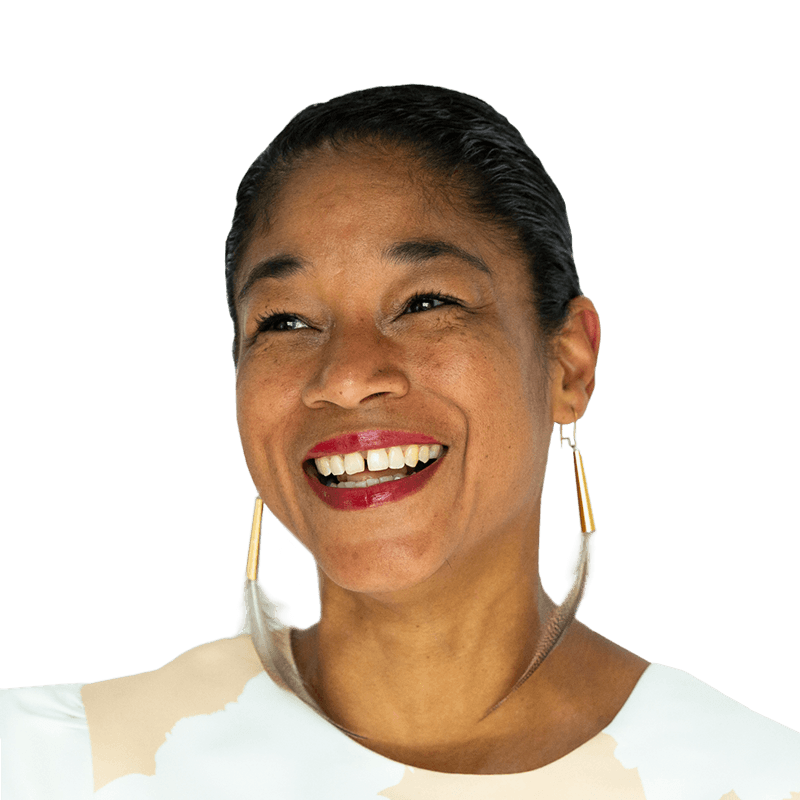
[458, 137]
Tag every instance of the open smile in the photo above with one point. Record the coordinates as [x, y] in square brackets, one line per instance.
[364, 478]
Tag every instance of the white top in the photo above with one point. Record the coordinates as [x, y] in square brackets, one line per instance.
[214, 724]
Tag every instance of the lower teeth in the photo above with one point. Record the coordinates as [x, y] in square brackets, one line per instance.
[332, 482]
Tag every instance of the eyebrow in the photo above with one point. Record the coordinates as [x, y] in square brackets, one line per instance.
[281, 266]
[417, 251]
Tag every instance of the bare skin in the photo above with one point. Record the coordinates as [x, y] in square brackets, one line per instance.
[431, 605]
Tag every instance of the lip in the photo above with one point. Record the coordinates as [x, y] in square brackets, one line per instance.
[367, 440]
[371, 496]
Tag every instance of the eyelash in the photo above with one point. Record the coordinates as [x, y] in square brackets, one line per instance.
[445, 300]
[271, 320]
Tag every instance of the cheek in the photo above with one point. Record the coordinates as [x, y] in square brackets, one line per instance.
[266, 398]
[266, 393]
[499, 387]
[492, 375]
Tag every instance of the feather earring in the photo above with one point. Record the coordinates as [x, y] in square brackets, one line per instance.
[563, 615]
[259, 611]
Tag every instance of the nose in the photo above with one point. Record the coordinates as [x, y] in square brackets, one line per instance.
[357, 366]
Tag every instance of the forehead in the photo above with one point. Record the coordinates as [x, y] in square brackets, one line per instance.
[369, 188]
[356, 203]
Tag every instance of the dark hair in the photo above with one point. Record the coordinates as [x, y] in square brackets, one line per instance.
[456, 136]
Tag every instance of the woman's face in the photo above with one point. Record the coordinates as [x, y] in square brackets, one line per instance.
[375, 315]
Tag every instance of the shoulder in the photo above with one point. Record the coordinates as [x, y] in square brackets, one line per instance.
[674, 727]
[40, 706]
[44, 724]
[209, 669]
[129, 718]
[68, 741]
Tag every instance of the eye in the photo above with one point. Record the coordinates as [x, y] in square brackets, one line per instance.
[280, 321]
[428, 301]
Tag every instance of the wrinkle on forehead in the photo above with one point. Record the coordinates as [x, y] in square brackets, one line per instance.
[323, 184]
[408, 166]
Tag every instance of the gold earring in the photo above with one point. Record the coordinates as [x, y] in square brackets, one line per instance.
[261, 623]
[584, 504]
[255, 541]
[260, 613]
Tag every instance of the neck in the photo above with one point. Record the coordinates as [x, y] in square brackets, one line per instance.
[421, 668]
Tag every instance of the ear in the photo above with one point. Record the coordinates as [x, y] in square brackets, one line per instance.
[576, 358]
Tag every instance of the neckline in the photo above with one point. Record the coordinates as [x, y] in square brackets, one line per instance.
[282, 639]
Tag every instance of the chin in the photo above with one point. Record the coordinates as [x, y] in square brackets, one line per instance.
[380, 567]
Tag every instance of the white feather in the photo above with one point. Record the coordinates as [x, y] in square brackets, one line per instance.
[583, 552]
[261, 617]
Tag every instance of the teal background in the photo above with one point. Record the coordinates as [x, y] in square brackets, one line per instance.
[672, 133]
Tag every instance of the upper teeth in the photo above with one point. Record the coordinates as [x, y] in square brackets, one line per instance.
[376, 460]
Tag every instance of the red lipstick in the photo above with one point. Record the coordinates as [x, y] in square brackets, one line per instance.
[367, 440]
[371, 496]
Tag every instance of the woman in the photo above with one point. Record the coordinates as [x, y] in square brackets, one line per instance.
[408, 328]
